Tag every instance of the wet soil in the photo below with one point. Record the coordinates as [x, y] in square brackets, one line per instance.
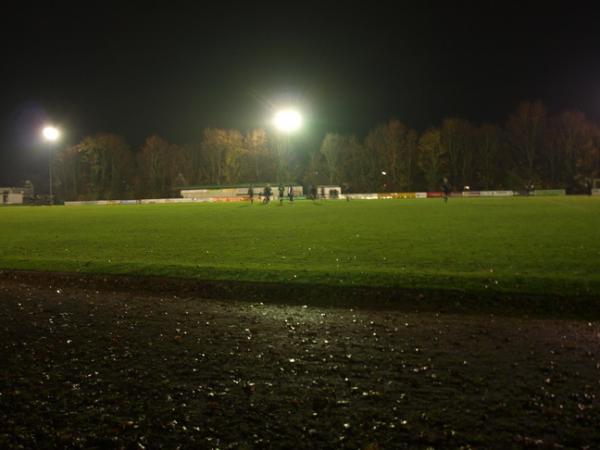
[84, 366]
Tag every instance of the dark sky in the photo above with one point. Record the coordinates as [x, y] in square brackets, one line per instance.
[178, 69]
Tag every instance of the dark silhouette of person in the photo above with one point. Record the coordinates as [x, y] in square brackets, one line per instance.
[267, 194]
[291, 193]
[313, 192]
[281, 192]
[446, 189]
[346, 191]
[251, 194]
[588, 186]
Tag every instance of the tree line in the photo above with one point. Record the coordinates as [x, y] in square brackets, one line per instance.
[533, 147]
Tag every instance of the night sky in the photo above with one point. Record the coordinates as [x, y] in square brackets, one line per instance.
[174, 71]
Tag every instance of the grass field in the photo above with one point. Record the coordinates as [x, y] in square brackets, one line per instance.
[519, 245]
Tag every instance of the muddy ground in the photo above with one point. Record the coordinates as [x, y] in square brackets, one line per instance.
[88, 368]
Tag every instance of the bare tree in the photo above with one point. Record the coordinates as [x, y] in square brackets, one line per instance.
[570, 137]
[525, 132]
[487, 156]
[432, 158]
[260, 159]
[333, 148]
[395, 147]
[222, 155]
[458, 143]
[99, 167]
[160, 162]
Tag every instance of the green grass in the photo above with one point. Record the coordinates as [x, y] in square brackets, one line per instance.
[519, 245]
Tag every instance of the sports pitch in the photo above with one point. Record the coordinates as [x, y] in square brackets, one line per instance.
[507, 245]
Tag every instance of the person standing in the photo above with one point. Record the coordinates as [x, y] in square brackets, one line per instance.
[446, 189]
[323, 192]
[588, 186]
[291, 193]
[267, 194]
[251, 194]
[281, 193]
[346, 191]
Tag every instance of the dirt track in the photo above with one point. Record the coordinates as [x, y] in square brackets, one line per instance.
[96, 369]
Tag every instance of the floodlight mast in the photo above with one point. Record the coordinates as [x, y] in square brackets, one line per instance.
[51, 135]
[287, 122]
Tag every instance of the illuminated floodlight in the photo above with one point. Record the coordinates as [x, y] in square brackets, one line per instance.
[50, 133]
[383, 172]
[288, 120]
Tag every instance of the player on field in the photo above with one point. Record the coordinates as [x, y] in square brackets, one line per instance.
[291, 193]
[587, 186]
[446, 189]
[281, 192]
[346, 191]
[251, 194]
[267, 194]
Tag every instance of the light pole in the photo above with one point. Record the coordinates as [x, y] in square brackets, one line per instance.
[384, 173]
[287, 121]
[51, 134]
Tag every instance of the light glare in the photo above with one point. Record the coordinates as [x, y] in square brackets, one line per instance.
[50, 133]
[288, 120]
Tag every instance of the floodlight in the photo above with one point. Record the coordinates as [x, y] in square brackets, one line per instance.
[50, 133]
[288, 120]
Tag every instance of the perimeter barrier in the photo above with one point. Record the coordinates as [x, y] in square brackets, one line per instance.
[548, 192]
[365, 196]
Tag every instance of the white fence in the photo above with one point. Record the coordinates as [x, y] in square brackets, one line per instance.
[365, 196]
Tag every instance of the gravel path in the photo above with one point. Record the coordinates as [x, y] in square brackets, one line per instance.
[85, 368]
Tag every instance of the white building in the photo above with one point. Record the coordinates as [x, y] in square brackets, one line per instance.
[11, 196]
[236, 192]
[16, 195]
